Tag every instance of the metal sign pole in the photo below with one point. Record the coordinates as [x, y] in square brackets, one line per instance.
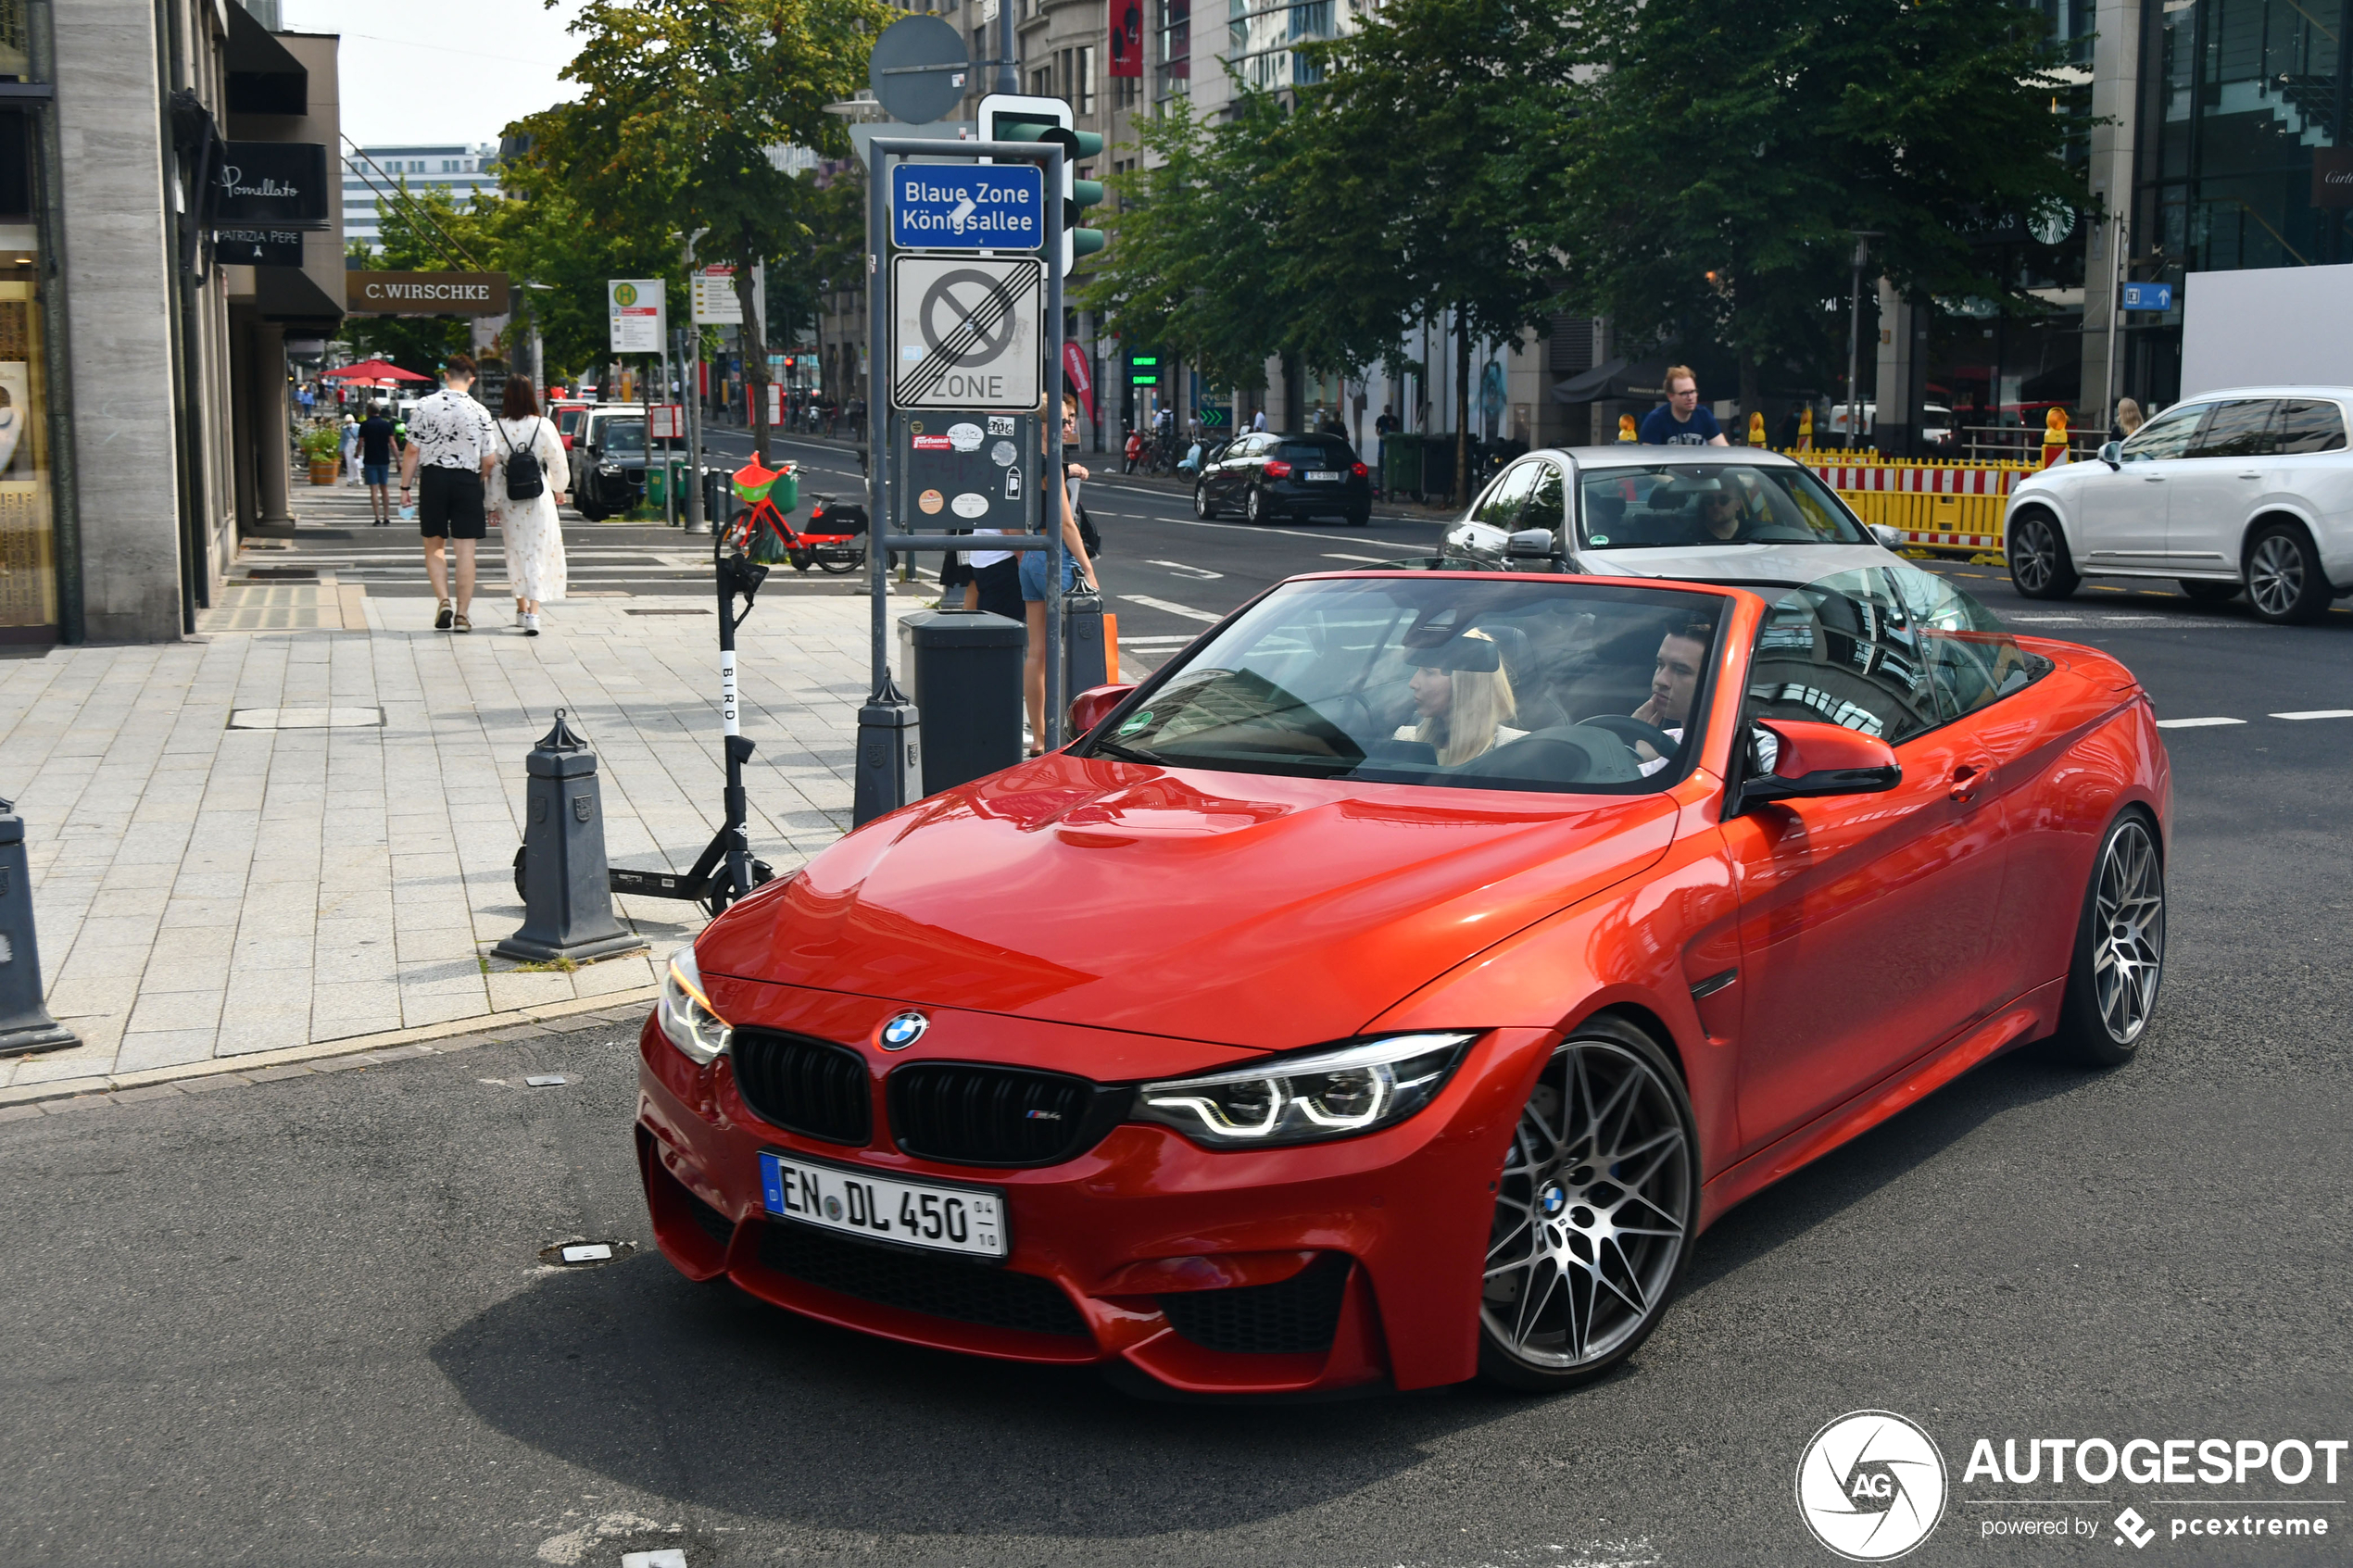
[1050, 498]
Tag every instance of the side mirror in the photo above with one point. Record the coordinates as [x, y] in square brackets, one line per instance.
[1807, 761]
[2112, 454]
[1530, 543]
[1092, 706]
[1889, 535]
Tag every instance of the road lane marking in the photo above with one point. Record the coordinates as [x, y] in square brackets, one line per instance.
[1200, 572]
[2318, 713]
[1166, 607]
[1377, 561]
[2195, 723]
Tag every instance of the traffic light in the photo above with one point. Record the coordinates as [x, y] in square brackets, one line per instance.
[1009, 117]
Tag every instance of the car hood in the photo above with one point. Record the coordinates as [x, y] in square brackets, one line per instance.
[1737, 563]
[1239, 909]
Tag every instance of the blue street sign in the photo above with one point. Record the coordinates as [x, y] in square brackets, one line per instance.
[968, 207]
[2148, 296]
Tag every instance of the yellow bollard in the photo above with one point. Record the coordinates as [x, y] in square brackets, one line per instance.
[1626, 427]
[2053, 437]
[1806, 428]
[1757, 430]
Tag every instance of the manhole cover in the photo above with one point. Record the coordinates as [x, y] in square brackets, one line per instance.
[284, 574]
[307, 719]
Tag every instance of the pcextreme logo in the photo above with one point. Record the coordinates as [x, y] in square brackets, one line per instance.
[1870, 1486]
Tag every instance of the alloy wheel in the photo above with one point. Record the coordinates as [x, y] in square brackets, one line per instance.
[1256, 507]
[2275, 575]
[1592, 1212]
[2034, 556]
[2127, 933]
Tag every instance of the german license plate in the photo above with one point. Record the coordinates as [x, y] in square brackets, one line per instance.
[970, 1221]
[1323, 476]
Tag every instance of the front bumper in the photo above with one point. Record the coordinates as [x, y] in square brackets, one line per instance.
[1303, 1270]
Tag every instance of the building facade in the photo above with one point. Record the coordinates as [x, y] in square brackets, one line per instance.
[142, 374]
[373, 177]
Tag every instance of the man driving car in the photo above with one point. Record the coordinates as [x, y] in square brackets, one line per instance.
[1674, 682]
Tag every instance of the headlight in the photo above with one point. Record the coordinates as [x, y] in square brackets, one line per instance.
[1324, 1094]
[686, 1013]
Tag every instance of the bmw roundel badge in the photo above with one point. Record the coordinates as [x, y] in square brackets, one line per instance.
[904, 1031]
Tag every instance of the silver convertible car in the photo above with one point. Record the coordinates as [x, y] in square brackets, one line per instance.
[1710, 514]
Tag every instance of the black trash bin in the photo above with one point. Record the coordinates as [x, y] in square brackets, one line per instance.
[965, 667]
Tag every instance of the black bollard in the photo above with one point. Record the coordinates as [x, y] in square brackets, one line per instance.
[567, 901]
[25, 1024]
[891, 755]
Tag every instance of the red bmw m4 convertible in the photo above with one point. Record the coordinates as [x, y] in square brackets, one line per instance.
[1391, 989]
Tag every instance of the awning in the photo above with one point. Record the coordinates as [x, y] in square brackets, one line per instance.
[1616, 378]
[264, 75]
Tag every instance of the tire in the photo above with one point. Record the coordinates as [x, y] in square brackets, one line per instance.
[2119, 959]
[1254, 505]
[841, 568]
[1202, 506]
[2040, 566]
[2285, 583]
[1358, 520]
[1563, 1216]
[2205, 591]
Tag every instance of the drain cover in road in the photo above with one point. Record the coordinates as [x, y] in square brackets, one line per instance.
[307, 719]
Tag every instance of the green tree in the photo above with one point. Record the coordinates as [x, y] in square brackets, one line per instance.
[1404, 174]
[684, 103]
[1705, 185]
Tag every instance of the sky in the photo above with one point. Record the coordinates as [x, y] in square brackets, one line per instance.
[441, 70]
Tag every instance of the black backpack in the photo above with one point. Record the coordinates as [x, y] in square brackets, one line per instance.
[524, 482]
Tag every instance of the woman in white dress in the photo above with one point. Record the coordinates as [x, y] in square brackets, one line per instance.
[533, 533]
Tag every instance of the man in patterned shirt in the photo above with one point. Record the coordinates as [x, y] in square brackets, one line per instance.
[451, 439]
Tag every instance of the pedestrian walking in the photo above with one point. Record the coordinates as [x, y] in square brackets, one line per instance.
[376, 454]
[451, 450]
[350, 451]
[1258, 422]
[529, 479]
[1680, 422]
[2128, 419]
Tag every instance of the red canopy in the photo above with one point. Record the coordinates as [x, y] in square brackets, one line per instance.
[373, 369]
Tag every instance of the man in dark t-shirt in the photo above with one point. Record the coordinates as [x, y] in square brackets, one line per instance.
[375, 461]
[1682, 422]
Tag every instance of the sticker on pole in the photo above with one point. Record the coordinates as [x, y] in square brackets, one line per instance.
[967, 207]
[964, 332]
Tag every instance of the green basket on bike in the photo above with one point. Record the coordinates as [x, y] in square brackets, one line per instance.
[781, 489]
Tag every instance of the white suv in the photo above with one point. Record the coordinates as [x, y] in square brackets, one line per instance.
[2246, 490]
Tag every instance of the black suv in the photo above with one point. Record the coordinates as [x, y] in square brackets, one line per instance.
[1298, 476]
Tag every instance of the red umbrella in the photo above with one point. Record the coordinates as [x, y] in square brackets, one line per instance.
[373, 369]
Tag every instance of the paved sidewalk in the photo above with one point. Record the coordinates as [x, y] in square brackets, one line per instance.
[205, 892]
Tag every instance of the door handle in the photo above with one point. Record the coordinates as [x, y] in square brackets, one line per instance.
[1968, 778]
[2152, 479]
[2250, 476]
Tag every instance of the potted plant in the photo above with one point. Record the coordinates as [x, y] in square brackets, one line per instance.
[323, 444]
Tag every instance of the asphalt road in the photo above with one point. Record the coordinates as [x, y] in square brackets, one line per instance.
[305, 1322]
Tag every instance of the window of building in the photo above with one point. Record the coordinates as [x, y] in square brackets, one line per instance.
[1173, 74]
[28, 539]
[1085, 101]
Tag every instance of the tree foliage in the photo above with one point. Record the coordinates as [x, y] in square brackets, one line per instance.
[1705, 184]
[683, 104]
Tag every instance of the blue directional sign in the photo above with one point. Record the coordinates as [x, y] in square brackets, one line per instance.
[2148, 296]
[967, 207]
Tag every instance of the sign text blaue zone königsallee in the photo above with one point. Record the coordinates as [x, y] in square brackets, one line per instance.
[963, 206]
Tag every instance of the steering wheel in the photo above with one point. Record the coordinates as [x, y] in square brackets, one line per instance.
[1632, 730]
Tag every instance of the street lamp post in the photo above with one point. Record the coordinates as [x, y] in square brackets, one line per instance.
[1863, 238]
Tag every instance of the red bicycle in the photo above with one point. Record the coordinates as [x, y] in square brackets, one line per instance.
[765, 532]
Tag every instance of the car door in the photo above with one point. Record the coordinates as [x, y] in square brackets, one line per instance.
[1240, 466]
[2120, 512]
[1865, 919]
[2213, 487]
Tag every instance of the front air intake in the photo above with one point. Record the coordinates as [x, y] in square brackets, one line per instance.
[804, 1085]
[967, 1113]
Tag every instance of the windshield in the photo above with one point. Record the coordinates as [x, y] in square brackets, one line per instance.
[1560, 687]
[615, 437]
[1687, 505]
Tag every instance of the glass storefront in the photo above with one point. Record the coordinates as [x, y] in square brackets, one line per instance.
[2242, 115]
[27, 512]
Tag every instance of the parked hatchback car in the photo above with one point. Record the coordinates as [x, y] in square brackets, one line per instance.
[1299, 476]
[1703, 513]
[2246, 490]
